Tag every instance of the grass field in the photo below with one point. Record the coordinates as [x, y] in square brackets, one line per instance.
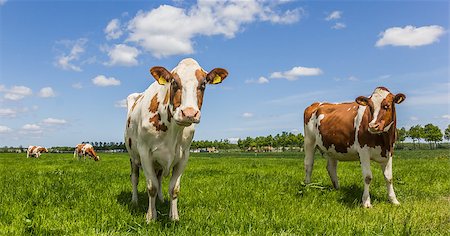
[224, 194]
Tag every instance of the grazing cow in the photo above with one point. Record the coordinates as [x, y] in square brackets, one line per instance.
[160, 126]
[35, 151]
[85, 150]
[363, 130]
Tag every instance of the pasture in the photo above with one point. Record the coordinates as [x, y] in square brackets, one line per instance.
[232, 194]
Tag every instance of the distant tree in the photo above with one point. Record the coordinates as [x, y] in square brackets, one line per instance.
[416, 133]
[402, 133]
[432, 133]
[447, 133]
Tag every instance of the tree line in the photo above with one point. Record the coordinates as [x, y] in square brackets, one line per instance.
[430, 133]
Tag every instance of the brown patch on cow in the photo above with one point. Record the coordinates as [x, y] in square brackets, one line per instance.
[128, 121]
[129, 143]
[368, 179]
[169, 115]
[336, 127]
[201, 77]
[91, 153]
[154, 104]
[33, 148]
[166, 98]
[42, 149]
[136, 101]
[309, 111]
[156, 121]
[176, 91]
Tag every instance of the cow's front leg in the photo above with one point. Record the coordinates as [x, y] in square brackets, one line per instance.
[152, 190]
[160, 193]
[367, 176]
[387, 172]
[174, 189]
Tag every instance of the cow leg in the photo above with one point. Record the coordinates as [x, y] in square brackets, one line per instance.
[28, 154]
[152, 190]
[367, 176]
[160, 193]
[134, 182]
[309, 158]
[332, 172]
[174, 189]
[387, 172]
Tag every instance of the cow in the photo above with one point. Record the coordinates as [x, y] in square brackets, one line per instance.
[362, 130]
[85, 150]
[160, 126]
[35, 151]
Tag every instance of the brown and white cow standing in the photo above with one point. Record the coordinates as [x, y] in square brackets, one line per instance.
[83, 150]
[363, 130]
[35, 151]
[160, 126]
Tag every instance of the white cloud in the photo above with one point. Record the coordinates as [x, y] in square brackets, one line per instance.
[31, 129]
[410, 36]
[339, 26]
[446, 116]
[121, 104]
[413, 118]
[334, 15]
[169, 30]
[260, 80]
[66, 60]
[5, 129]
[103, 81]
[123, 55]
[2, 2]
[247, 115]
[296, 72]
[77, 86]
[53, 121]
[113, 30]
[7, 112]
[16, 92]
[46, 92]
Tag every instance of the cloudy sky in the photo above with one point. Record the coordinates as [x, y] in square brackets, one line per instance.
[67, 66]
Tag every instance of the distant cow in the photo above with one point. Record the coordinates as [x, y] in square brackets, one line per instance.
[85, 150]
[160, 126]
[363, 130]
[35, 151]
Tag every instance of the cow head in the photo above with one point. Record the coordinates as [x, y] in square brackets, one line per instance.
[187, 83]
[42, 149]
[382, 109]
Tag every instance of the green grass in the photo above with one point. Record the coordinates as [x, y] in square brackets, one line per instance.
[233, 194]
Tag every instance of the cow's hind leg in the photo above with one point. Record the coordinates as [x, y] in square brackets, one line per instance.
[387, 172]
[367, 176]
[332, 172]
[309, 158]
[160, 193]
[134, 176]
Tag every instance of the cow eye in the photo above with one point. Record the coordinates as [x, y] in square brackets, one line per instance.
[386, 107]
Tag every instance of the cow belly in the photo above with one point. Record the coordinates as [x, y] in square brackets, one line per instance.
[331, 152]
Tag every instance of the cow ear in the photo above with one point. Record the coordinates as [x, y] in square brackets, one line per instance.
[363, 101]
[216, 76]
[161, 74]
[399, 98]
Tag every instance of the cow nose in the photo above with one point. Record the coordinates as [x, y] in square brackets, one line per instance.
[373, 126]
[190, 113]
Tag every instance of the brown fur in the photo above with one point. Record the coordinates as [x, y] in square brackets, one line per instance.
[156, 121]
[129, 121]
[175, 95]
[309, 111]
[129, 143]
[136, 101]
[154, 104]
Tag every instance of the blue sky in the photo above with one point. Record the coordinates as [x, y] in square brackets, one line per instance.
[66, 66]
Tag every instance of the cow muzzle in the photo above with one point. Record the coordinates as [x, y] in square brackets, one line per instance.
[376, 128]
[189, 115]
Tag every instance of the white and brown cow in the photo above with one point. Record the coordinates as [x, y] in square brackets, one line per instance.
[85, 149]
[160, 126]
[35, 151]
[363, 130]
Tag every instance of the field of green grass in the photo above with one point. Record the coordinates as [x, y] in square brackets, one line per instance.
[232, 194]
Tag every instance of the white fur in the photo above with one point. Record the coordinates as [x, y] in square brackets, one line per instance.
[377, 98]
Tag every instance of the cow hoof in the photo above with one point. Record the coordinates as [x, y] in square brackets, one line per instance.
[367, 205]
[150, 218]
[395, 202]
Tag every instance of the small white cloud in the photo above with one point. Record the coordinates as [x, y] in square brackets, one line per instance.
[31, 129]
[16, 92]
[247, 115]
[339, 26]
[46, 92]
[66, 60]
[385, 77]
[53, 121]
[5, 129]
[103, 81]
[2, 2]
[123, 55]
[121, 104]
[296, 72]
[77, 86]
[113, 30]
[353, 78]
[7, 112]
[446, 117]
[410, 36]
[334, 15]
[260, 80]
[413, 118]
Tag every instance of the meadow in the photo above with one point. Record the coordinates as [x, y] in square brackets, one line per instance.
[224, 194]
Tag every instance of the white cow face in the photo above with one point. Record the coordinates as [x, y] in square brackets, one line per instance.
[187, 83]
[382, 108]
